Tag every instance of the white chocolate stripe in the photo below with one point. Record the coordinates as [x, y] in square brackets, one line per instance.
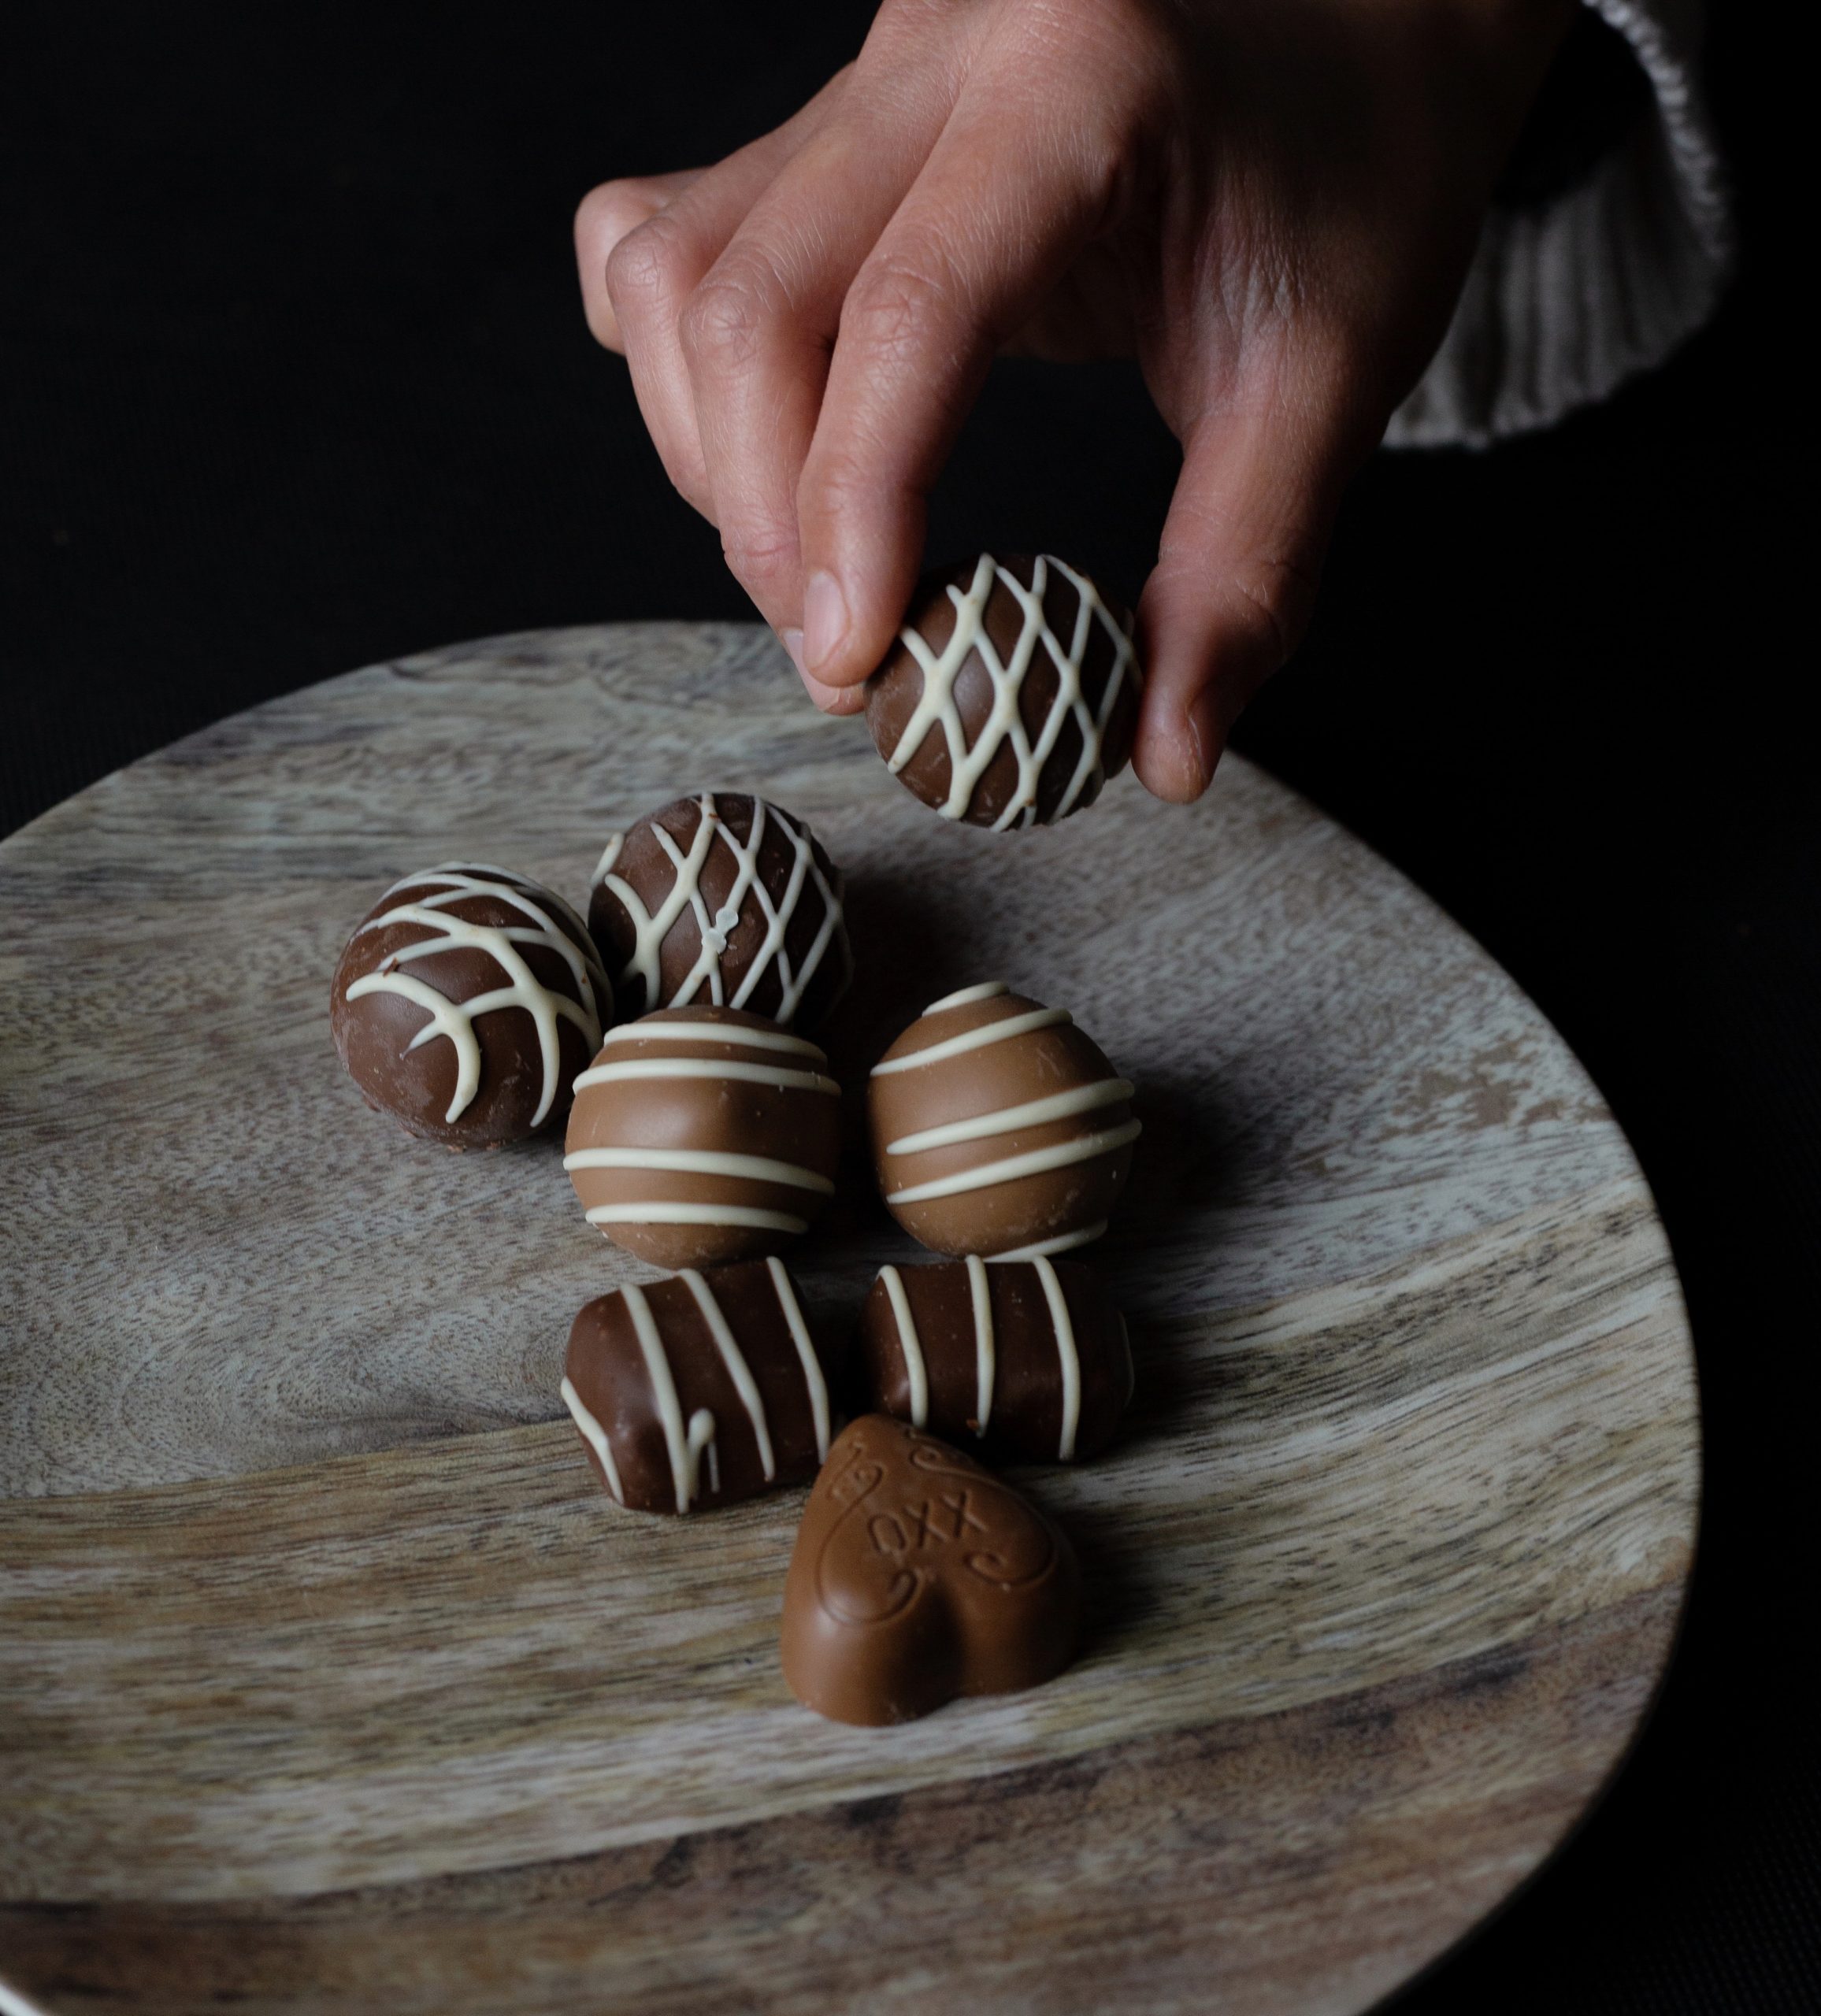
[986, 1365]
[670, 1211]
[1009, 1119]
[780, 1077]
[909, 1343]
[815, 1383]
[1009, 1168]
[1007, 1025]
[738, 1370]
[703, 1162]
[597, 1437]
[701, 1028]
[967, 995]
[1065, 1242]
[685, 1447]
[1069, 1357]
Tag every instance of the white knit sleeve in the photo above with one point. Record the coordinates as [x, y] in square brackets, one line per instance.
[1564, 303]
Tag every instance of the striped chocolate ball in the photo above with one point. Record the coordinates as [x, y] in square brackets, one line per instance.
[999, 1128]
[704, 1136]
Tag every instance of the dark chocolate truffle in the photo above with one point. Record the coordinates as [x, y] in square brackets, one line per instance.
[918, 1576]
[999, 1128]
[703, 1135]
[700, 1391]
[724, 899]
[465, 1003]
[1011, 694]
[1019, 1361]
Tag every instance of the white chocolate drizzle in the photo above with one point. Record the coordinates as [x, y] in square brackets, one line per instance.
[597, 1436]
[1009, 1168]
[965, 997]
[737, 1368]
[1064, 1242]
[675, 1212]
[1004, 725]
[1068, 1357]
[455, 882]
[909, 1344]
[651, 929]
[779, 1076]
[685, 1445]
[814, 1382]
[704, 1162]
[702, 1028]
[986, 1365]
[1006, 1027]
[1008, 1120]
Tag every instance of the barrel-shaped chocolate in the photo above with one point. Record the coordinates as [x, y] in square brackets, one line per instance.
[999, 1128]
[700, 1390]
[1020, 1360]
[703, 1136]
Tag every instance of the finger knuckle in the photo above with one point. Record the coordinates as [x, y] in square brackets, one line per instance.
[1270, 596]
[645, 268]
[896, 306]
[724, 322]
[760, 554]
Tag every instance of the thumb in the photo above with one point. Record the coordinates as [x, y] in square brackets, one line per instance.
[1233, 586]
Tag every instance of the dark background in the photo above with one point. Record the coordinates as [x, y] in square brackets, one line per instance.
[293, 376]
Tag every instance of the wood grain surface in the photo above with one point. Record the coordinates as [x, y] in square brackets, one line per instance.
[329, 1679]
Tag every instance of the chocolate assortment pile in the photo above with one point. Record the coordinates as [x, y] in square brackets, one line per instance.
[704, 1136]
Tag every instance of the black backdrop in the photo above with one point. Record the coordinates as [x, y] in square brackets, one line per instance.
[293, 377]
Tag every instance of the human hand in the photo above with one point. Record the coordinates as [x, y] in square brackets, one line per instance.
[1270, 203]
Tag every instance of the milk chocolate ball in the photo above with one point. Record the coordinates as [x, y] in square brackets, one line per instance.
[1011, 694]
[1015, 1361]
[465, 1002]
[998, 1128]
[703, 1136]
[724, 899]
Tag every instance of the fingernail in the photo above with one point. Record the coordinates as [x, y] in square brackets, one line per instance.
[825, 618]
[793, 641]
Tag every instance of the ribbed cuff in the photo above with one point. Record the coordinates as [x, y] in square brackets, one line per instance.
[1561, 305]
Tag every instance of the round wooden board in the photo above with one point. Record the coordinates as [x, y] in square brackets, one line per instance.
[331, 1680]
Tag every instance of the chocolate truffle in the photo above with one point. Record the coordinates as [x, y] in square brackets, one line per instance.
[999, 1128]
[465, 1002]
[1011, 694]
[722, 899]
[703, 1135]
[702, 1390]
[1020, 1360]
[918, 1576]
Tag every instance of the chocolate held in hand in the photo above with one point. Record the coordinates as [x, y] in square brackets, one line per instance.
[722, 898]
[999, 1128]
[702, 1136]
[918, 1576]
[465, 1002]
[1024, 1361]
[1011, 694]
[702, 1390]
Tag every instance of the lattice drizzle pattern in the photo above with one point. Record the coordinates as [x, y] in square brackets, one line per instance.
[936, 707]
[651, 929]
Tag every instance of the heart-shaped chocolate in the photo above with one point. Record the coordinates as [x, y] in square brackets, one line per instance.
[918, 1576]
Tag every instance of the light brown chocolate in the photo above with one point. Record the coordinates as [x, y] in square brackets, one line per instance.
[1014, 1361]
[1011, 694]
[918, 1576]
[465, 1002]
[998, 1128]
[703, 1136]
[722, 899]
[701, 1390]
